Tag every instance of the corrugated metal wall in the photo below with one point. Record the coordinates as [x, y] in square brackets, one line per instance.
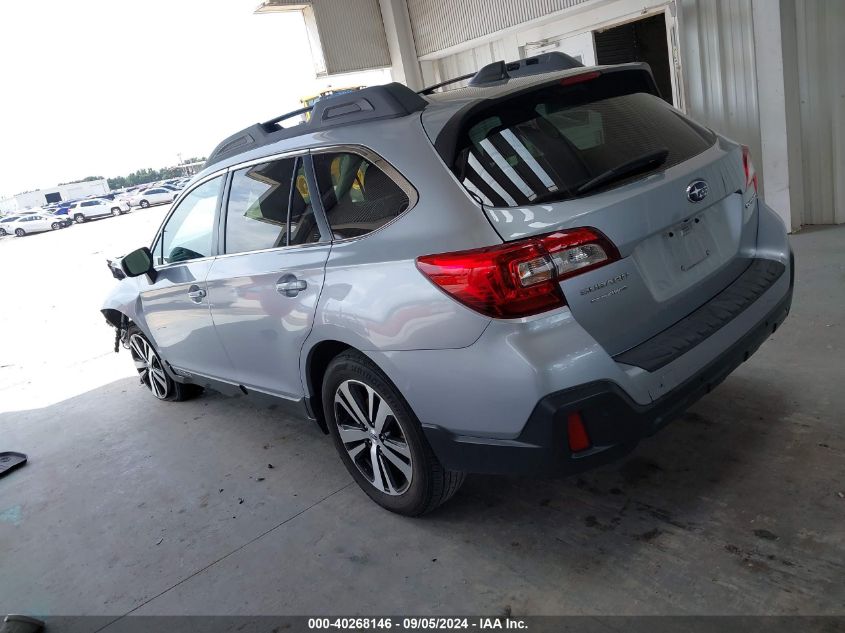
[821, 79]
[717, 52]
[439, 24]
[352, 38]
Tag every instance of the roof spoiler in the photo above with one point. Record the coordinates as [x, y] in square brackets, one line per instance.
[500, 72]
[368, 104]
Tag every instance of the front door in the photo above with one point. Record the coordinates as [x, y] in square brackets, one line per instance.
[175, 306]
[263, 288]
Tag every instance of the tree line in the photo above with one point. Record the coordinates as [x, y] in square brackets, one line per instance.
[143, 176]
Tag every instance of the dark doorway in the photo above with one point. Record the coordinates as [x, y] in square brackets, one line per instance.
[640, 41]
[53, 197]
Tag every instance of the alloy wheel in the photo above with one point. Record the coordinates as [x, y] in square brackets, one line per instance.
[373, 437]
[20, 232]
[149, 366]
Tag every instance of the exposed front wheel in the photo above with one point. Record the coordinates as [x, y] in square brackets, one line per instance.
[3, 233]
[144, 204]
[20, 232]
[115, 212]
[79, 218]
[151, 370]
[380, 440]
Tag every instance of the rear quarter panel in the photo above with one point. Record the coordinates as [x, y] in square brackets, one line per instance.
[374, 298]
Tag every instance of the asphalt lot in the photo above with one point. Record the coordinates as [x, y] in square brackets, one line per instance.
[133, 506]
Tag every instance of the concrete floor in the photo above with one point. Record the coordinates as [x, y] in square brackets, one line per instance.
[131, 506]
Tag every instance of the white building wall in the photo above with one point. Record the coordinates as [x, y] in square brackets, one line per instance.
[820, 26]
[72, 191]
[718, 66]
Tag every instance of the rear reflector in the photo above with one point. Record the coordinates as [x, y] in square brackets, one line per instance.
[520, 278]
[578, 439]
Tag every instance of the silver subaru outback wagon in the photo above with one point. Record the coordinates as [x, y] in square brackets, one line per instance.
[524, 275]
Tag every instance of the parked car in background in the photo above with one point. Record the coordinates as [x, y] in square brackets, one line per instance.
[63, 220]
[6, 223]
[527, 277]
[85, 210]
[34, 223]
[119, 204]
[154, 195]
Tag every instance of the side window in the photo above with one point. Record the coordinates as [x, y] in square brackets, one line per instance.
[188, 232]
[302, 228]
[257, 211]
[358, 196]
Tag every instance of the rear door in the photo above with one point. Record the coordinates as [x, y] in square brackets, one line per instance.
[263, 288]
[175, 305]
[601, 150]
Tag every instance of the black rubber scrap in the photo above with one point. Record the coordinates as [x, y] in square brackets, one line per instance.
[9, 461]
[20, 623]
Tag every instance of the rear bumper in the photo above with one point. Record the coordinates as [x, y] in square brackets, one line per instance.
[614, 422]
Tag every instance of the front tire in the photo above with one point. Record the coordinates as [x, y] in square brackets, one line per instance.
[3, 233]
[115, 212]
[151, 369]
[55, 226]
[20, 232]
[144, 204]
[79, 218]
[380, 440]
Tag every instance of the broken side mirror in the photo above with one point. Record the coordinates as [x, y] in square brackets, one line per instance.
[139, 262]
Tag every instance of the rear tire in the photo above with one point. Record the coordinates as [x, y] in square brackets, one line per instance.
[407, 478]
[55, 226]
[151, 369]
[115, 212]
[3, 233]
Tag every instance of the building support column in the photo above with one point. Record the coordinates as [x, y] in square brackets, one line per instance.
[775, 52]
[400, 42]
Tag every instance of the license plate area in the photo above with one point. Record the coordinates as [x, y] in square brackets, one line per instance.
[689, 243]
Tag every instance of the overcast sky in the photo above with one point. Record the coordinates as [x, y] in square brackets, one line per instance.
[105, 87]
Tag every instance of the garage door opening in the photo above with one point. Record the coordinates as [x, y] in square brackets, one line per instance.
[640, 41]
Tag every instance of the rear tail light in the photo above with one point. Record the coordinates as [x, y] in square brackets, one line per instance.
[520, 278]
[750, 172]
[577, 79]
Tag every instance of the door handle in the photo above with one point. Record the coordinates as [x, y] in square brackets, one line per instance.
[290, 286]
[196, 294]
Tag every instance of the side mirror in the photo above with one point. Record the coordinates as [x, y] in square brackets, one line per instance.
[137, 263]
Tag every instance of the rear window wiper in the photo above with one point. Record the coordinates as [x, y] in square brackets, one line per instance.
[640, 163]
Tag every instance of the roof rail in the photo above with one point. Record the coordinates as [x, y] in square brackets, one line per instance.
[430, 89]
[368, 104]
[501, 71]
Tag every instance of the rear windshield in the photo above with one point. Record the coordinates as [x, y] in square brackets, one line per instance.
[558, 142]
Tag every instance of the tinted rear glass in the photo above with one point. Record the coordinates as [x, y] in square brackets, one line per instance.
[544, 145]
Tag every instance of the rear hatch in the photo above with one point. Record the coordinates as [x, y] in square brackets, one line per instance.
[600, 149]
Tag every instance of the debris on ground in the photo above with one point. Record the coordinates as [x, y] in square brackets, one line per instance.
[21, 624]
[10, 461]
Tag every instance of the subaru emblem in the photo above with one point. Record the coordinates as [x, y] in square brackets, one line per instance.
[697, 190]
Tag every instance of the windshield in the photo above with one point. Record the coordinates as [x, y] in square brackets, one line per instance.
[562, 141]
